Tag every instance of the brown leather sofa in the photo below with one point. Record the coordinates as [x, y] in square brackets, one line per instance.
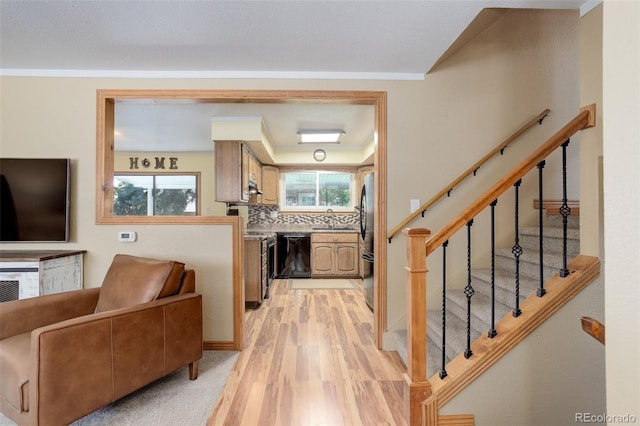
[65, 355]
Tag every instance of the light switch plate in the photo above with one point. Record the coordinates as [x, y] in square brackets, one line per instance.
[126, 236]
[415, 205]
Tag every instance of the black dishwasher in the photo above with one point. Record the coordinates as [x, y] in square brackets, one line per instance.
[294, 255]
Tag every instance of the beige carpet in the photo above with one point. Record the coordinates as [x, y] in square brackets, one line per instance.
[322, 284]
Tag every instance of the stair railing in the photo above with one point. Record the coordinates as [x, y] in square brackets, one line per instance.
[421, 244]
[470, 171]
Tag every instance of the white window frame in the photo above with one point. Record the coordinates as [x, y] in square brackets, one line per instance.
[352, 197]
[194, 211]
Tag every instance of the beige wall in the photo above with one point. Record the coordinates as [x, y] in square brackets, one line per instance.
[436, 129]
[558, 370]
[591, 203]
[188, 162]
[621, 88]
[470, 103]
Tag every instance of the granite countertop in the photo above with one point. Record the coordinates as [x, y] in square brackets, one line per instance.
[307, 228]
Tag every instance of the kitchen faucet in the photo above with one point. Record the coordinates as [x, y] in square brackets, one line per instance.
[332, 218]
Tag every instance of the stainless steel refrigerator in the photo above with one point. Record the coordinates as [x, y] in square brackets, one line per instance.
[367, 198]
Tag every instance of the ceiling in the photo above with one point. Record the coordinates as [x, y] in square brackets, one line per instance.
[189, 127]
[394, 40]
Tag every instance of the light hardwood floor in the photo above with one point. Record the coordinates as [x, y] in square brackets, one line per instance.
[309, 359]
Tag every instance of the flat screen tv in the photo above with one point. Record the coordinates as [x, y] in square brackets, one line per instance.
[34, 199]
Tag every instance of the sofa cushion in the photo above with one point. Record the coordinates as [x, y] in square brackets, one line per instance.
[14, 364]
[132, 280]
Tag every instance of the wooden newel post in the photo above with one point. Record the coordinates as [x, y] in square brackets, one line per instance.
[418, 387]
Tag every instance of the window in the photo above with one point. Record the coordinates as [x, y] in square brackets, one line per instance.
[318, 190]
[155, 195]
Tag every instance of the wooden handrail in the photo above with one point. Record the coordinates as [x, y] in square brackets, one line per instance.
[585, 119]
[473, 169]
[593, 328]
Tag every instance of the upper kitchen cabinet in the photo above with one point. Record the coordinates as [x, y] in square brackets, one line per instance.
[232, 172]
[270, 178]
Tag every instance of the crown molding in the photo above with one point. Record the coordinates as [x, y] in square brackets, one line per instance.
[289, 75]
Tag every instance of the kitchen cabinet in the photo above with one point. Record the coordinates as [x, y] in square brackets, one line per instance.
[362, 172]
[334, 254]
[255, 270]
[270, 182]
[254, 169]
[236, 168]
[232, 172]
[255, 176]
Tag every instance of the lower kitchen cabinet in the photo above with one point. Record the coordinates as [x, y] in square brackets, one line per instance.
[334, 254]
[255, 270]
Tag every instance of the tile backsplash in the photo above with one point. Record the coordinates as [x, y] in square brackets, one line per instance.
[320, 218]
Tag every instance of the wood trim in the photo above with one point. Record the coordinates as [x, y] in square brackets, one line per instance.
[593, 328]
[553, 206]
[418, 388]
[219, 346]
[380, 218]
[468, 173]
[105, 125]
[511, 331]
[105, 121]
[238, 285]
[430, 409]
[430, 415]
[578, 123]
[457, 420]
[591, 109]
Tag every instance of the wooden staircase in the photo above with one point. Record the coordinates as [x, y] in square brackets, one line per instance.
[467, 311]
[504, 291]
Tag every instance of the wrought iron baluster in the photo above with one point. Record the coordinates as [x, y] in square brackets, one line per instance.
[541, 289]
[565, 210]
[517, 250]
[468, 291]
[492, 332]
[443, 371]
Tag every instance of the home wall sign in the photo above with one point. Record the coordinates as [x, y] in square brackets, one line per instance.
[158, 163]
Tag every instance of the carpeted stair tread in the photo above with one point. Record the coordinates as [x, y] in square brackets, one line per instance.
[504, 284]
[552, 240]
[434, 358]
[434, 353]
[400, 337]
[480, 309]
[456, 332]
[553, 232]
[529, 262]
[555, 220]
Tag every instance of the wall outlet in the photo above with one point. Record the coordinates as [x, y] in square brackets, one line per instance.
[274, 215]
[127, 236]
[262, 215]
[415, 205]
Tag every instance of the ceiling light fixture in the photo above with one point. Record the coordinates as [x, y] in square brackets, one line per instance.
[320, 136]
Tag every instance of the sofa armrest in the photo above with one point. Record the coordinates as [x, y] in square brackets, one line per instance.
[83, 363]
[25, 315]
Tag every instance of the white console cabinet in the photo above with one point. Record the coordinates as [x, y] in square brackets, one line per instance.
[31, 273]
